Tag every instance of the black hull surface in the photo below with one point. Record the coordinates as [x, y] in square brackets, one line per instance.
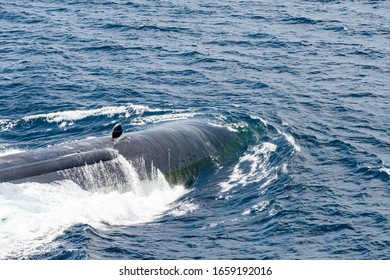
[169, 147]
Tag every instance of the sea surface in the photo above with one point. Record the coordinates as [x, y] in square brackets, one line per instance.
[305, 86]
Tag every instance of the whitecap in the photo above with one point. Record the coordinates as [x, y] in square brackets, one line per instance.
[252, 167]
[76, 115]
[33, 215]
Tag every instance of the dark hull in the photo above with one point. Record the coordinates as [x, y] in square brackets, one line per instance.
[169, 147]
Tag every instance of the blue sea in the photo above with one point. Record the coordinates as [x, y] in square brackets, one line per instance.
[304, 85]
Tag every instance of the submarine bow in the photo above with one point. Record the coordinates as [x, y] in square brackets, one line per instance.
[171, 148]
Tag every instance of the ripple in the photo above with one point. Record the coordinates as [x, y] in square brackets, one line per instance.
[303, 85]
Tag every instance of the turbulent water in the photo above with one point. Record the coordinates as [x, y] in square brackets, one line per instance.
[304, 85]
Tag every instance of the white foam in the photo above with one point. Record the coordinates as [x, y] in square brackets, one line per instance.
[291, 140]
[162, 118]
[288, 137]
[285, 168]
[251, 168]
[261, 206]
[9, 151]
[254, 117]
[233, 127]
[183, 209]
[67, 118]
[32, 215]
[75, 115]
[6, 125]
[385, 169]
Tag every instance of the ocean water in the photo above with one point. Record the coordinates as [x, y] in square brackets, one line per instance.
[305, 85]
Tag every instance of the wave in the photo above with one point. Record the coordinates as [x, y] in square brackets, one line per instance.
[9, 151]
[64, 118]
[252, 167]
[33, 216]
[135, 115]
[76, 115]
[163, 118]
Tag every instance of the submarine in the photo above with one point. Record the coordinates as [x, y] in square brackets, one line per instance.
[174, 148]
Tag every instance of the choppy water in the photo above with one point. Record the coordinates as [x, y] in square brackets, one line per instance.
[305, 82]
